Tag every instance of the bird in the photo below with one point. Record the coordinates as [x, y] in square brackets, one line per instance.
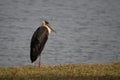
[38, 41]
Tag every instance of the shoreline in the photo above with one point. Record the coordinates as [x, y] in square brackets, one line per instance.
[63, 72]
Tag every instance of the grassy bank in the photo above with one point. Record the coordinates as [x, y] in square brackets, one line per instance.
[63, 72]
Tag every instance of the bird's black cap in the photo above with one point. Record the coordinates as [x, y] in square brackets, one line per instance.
[46, 22]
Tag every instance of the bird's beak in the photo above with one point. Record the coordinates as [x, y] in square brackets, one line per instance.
[51, 28]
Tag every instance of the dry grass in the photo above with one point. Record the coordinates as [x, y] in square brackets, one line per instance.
[63, 72]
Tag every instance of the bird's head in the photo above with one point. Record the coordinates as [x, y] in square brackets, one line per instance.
[46, 24]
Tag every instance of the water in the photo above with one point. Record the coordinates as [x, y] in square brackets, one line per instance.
[88, 31]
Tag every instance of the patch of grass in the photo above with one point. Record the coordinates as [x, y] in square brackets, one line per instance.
[63, 72]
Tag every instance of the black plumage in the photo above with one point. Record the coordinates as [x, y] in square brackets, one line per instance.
[38, 41]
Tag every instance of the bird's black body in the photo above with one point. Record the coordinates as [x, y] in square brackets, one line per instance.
[38, 41]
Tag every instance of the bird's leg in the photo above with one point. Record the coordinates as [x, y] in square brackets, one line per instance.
[35, 63]
[40, 60]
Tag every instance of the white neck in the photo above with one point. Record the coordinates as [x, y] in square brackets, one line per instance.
[44, 25]
[49, 30]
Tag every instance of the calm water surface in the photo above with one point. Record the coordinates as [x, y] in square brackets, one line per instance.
[88, 31]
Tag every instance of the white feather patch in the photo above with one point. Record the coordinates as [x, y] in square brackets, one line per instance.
[49, 30]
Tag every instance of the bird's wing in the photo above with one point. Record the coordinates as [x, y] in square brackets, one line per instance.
[38, 41]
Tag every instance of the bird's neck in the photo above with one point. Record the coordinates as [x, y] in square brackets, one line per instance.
[49, 30]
